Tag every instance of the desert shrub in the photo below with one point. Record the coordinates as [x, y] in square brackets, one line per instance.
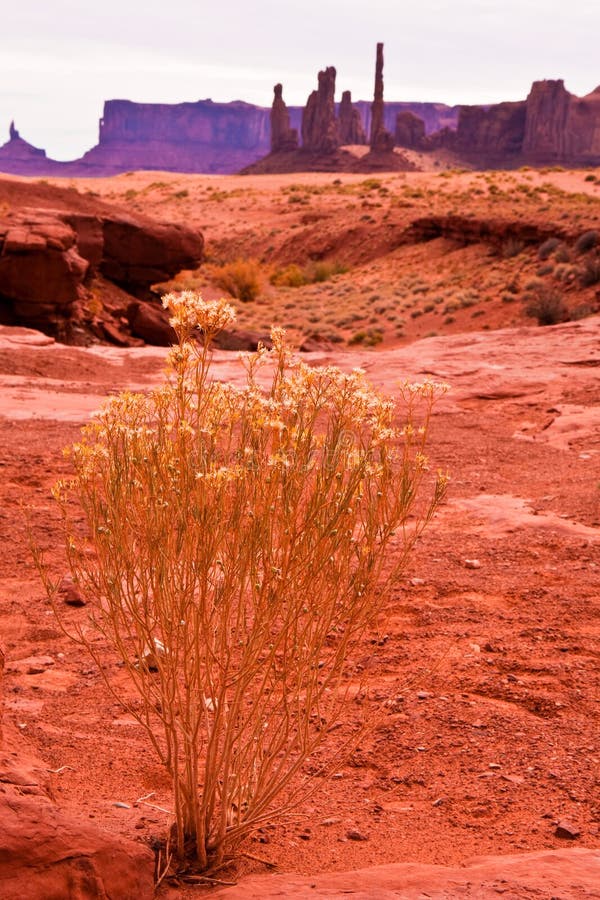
[586, 241]
[241, 278]
[547, 269]
[369, 338]
[312, 273]
[562, 254]
[590, 177]
[589, 274]
[547, 248]
[290, 276]
[546, 305]
[240, 542]
[371, 184]
[511, 247]
[323, 271]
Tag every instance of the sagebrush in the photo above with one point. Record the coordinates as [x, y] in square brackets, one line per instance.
[240, 540]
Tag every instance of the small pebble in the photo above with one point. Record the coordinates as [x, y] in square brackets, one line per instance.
[354, 835]
[472, 564]
[567, 830]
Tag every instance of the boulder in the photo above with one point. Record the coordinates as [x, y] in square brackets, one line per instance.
[150, 322]
[50, 259]
[137, 254]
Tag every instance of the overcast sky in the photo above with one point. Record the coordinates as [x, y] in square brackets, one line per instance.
[60, 59]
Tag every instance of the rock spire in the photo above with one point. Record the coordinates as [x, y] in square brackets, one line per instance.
[283, 138]
[350, 126]
[319, 125]
[381, 140]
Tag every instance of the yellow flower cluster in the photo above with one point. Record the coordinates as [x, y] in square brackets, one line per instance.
[189, 311]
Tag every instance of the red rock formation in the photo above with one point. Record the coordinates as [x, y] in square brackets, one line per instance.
[573, 873]
[48, 256]
[547, 114]
[551, 126]
[495, 232]
[561, 127]
[17, 152]
[46, 853]
[410, 131]
[494, 135]
[349, 122]
[283, 138]
[215, 137]
[381, 140]
[319, 124]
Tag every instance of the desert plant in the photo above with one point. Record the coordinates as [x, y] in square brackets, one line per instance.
[369, 338]
[589, 274]
[312, 273]
[240, 278]
[586, 241]
[546, 305]
[239, 543]
[290, 276]
[548, 247]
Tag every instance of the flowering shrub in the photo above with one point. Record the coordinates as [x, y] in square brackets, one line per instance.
[239, 543]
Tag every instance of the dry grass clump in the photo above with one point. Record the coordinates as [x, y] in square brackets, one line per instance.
[312, 273]
[241, 278]
[240, 541]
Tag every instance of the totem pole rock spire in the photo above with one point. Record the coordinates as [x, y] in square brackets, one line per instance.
[381, 140]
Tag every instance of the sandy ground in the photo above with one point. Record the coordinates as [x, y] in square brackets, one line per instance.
[489, 667]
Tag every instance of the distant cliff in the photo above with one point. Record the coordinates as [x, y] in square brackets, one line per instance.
[183, 137]
[552, 126]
